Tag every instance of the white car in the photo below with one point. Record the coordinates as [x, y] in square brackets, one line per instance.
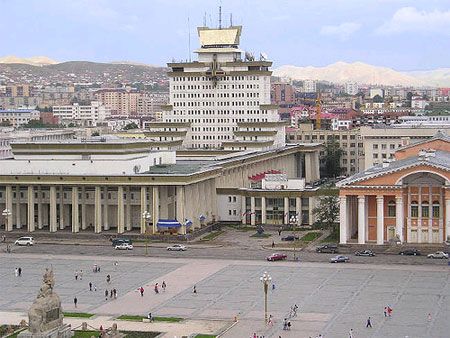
[124, 246]
[176, 247]
[24, 241]
[438, 254]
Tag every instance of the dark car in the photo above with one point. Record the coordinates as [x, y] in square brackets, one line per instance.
[121, 240]
[327, 248]
[368, 253]
[339, 259]
[276, 257]
[289, 238]
[410, 252]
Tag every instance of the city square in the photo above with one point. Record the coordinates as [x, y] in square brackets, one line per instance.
[332, 299]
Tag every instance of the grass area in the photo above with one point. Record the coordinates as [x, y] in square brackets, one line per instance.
[78, 314]
[205, 336]
[86, 334]
[263, 235]
[140, 334]
[241, 227]
[332, 238]
[311, 236]
[15, 334]
[134, 318]
[212, 235]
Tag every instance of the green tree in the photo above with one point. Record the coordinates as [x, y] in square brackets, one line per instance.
[331, 161]
[377, 99]
[131, 125]
[95, 133]
[327, 213]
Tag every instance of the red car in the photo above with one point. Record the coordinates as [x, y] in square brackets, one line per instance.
[276, 257]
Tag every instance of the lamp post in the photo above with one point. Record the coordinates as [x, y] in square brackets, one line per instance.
[6, 213]
[265, 280]
[294, 221]
[146, 216]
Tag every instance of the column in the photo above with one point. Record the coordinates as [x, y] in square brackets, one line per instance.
[83, 209]
[315, 166]
[419, 219]
[53, 226]
[39, 203]
[128, 210]
[9, 198]
[61, 208]
[447, 218]
[308, 168]
[310, 211]
[155, 208]
[144, 221]
[430, 214]
[252, 211]
[97, 210]
[18, 222]
[75, 211]
[367, 219]
[120, 211]
[380, 220]
[298, 210]
[105, 209]
[244, 210]
[263, 210]
[343, 222]
[286, 210]
[361, 219]
[30, 204]
[181, 217]
[399, 217]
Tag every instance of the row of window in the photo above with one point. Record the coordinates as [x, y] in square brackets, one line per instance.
[384, 146]
[220, 112]
[212, 103]
[225, 78]
[65, 195]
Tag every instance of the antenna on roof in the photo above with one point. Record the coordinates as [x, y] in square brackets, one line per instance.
[231, 19]
[220, 17]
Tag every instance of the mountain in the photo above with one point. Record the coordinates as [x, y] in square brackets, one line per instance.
[34, 60]
[438, 77]
[341, 72]
[124, 62]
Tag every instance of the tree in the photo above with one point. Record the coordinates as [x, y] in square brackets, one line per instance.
[377, 99]
[95, 133]
[327, 213]
[131, 125]
[331, 161]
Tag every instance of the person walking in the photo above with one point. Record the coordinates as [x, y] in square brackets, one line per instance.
[156, 288]
[75, 302]
[141, 290]
[385, 311]
[90, 286]
[81, 274]
[273, 244]
[115, 293]
[20, 271]
[76, 275]
[106, 294]
[389, 311]
[194, 290]
[270, 321]
[111, 294]
[350, 333]
[369, 323]
[164, 285]
[16, 272]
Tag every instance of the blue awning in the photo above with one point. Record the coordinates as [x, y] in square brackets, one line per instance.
[188, 223]
[168, 223]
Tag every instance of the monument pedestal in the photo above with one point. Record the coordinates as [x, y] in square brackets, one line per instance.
[63, 331]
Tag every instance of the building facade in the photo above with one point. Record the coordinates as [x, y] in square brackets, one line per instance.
[84, 115]
[406, 200]
[18, 117]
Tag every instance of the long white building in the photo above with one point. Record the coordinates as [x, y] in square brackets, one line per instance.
[224, 96]
[86, 115]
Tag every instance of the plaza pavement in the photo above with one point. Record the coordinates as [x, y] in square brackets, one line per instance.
[332, 299]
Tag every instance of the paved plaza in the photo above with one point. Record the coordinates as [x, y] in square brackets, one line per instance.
[332, 298]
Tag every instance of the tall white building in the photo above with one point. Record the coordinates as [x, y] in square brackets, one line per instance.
[309, 86]
[224, 96]
[82, 114]
[351, 88]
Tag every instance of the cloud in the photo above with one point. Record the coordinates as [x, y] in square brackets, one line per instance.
[342, 31]
[410, 19]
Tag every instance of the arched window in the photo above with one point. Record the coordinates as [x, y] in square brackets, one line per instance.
[391, 208]
[436, 209]
[425, 209]
[414, 209]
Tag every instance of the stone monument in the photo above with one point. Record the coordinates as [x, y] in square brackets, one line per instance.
[45, 316]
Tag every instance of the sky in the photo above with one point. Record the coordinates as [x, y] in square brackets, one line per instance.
[400, 34]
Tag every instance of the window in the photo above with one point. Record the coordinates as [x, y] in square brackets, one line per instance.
[375, 146]
[383, 146]
[425, 209]
[414, 209]
[436, 209]
[391, 208]
[234, 198]
[375, 155]
[229, 199]
[229, 212]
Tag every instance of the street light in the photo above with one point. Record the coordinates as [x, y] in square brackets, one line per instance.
[6, 213]
[265, 280]
[146, 216]
[294, 221]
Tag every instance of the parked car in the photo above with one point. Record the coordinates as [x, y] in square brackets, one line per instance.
[176, 247]
[276, 257]
[120, 240]
[28, 241]
[368, 253]
[124, 246]
[410, 252]
[327, 248]
[289, 238]
[438, 255]
[339, 259]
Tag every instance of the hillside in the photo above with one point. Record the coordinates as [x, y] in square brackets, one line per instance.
[34, 60]
[341, 72]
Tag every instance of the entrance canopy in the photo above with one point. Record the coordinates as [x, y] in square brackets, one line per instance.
[168, 223]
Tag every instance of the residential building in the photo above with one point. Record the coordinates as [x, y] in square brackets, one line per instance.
[309, 86]
[21, 90]
[18, 117]
[120, 101]
[351, 88]
[282, 94]
[405, 200]
[376, 91]
[84, 115]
